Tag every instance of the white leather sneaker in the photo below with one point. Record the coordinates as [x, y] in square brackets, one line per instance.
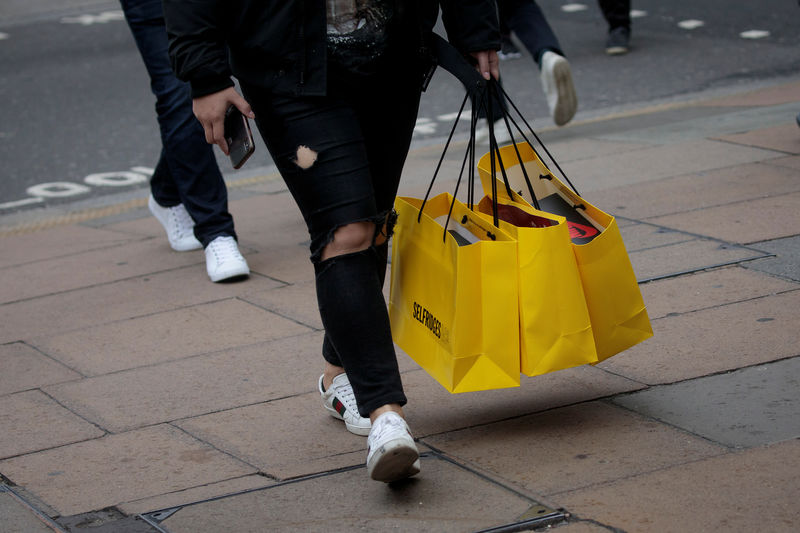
[392, 453]
[178, 225]
[223, 260]
[558, 87]
[340, 402]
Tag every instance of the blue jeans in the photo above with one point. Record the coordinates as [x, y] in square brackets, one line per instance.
[360, 132]
[527, 21]
[187, 170]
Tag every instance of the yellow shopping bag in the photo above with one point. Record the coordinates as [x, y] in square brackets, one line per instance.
[555, 329]
[618, 315]
[453, 295]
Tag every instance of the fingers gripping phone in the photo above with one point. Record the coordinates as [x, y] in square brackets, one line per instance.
[238, 136]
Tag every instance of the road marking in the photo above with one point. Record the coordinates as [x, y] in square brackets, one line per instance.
[57, 189]
[88, 20]
[115, 179]
[3, 36]
[691, 24]
[573, 8]
[19, 203]
[754, 34]
[638, 13]
[425, 126]
[449, 117]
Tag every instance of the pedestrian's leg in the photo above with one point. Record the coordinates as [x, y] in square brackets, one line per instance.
[618, 15]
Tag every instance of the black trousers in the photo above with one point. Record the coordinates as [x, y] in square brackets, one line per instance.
[341, 156]
[527, 21]
[616, 12]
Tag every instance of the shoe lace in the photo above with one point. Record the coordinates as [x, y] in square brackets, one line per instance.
[347, 397]
[182, 221]
[223, 247]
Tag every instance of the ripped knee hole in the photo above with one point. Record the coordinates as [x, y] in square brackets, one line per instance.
[306, 157]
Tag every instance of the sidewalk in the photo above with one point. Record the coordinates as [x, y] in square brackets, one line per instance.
[136, 396]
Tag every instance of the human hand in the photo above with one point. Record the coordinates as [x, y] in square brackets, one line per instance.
[488, 63]
[210, 111]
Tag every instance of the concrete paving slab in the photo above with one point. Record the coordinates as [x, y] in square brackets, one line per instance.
[102, 304]
[753, 490]
[103, 472]
[704, 290]
[784, 138]
[259, 434]
[576, 148]
[786, 262]
[444, 497]
[638, 237]
[744, 408]
[94, 267]
[297, 302]
[432, 410]
[572, 447]
[742, 222]
[19, 518]
[698, 190]
[57, 242]
[287, 262]
[25, 368]
[645, 165]
[30, 421]
[714, 340]
[195, 494]
[785, 93]
[788, 162]
[688, 256]
[149, 395]
[166, 336]
[710, 125]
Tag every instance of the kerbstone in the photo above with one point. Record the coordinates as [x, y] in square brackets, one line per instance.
[442, 498]
[754, 490]
[572, 447]
[714, 340]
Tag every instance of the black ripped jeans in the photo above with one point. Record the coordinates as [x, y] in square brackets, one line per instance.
[360, 134]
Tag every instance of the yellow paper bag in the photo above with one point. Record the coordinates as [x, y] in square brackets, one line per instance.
[616, 309]
[452, 303]
[555, 329]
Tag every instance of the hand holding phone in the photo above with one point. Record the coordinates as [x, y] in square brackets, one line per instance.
[238, 136]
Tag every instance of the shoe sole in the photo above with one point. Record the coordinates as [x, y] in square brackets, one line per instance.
[395, 461]
[567, 102]
[230, 275]
[616, 50]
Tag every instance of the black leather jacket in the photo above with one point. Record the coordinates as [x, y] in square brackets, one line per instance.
[281, 44]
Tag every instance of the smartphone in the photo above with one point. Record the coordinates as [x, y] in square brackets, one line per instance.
[238, 136]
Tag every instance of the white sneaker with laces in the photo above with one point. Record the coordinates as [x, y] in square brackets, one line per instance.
[392, 453]
[178, 225]
[223, 260]
[558, 87]
[340, 402]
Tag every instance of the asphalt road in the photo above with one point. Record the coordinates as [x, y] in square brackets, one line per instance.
[77, 119]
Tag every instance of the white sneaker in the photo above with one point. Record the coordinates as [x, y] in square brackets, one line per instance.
[392, 453]
[223, 260]
[558, 88]
[340, 402]
[178, 225]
